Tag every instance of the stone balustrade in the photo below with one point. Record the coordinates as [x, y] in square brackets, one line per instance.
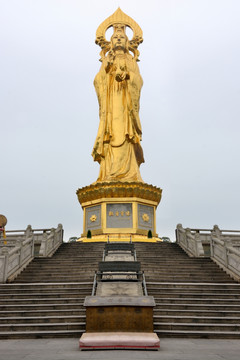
[223, 245]
[225, 250]
[190, 241]
[20, 247]
[50, 242]
[14, 258]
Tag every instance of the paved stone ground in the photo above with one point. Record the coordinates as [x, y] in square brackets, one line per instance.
[171, 349]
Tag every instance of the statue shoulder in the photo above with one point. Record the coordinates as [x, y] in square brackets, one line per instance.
[132, 64]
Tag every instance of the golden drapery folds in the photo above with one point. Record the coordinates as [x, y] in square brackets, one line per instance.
[118, 85]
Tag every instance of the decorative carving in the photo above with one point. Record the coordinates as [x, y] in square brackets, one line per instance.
[145, 217]
[119, 189]
[93, 218]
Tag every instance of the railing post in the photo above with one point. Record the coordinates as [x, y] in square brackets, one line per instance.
[188, 238]
[4, 256]
[226, 251]
[42, 250]
[28, 232]
[217, 231]
[178, 232]
[52, 241]
[199, 245]
[19, 244]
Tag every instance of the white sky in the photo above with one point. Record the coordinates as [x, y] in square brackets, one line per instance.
[190, 109]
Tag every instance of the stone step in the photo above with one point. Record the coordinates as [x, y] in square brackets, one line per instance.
[194, 290]
[14, 296]
[56, 277]
[43, 327]
[50, 280]
[185, 279]
[39, 286]
[193, 327]
[193, 306]
[194, 312]
[55, 273]
[195, 301]
[45, 307]
[48, 300]
[188, 271]
[76, 262]
[198, 334]
[202, 285]
[197, 296]
[55, 269]
[197, 319]
[80, 310]
[43, 319]
[40, 292]
[40, 334]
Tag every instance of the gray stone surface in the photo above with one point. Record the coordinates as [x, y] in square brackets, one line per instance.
[145, 217]
[93, 217]
[119, 300]
[171, 349]
[119, 288]
[119, 256]
[119, 215]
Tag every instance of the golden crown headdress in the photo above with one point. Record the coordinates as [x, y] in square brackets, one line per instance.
[119, 17]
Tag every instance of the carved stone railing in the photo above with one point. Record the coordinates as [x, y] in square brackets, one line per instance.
[225, 250]
[223, 246]
[20, 247]
[51, 242]
[14, 258]
[190, 241]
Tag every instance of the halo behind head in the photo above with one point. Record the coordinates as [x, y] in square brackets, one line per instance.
[119, 20]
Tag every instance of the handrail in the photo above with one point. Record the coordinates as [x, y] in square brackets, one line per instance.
[197, 230]
[33, 230]
[224, 246]
[94, 284]
[144, 285]
[190, 242]
[224, 253]
[17, 252]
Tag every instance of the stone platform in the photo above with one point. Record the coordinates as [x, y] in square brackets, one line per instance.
[119, 340]
[119, 208]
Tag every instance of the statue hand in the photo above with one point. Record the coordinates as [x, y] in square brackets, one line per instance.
[122, 76]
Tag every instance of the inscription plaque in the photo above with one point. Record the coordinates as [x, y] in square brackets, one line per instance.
[119, 215]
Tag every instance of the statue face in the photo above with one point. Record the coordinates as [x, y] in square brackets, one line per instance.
[119, 40]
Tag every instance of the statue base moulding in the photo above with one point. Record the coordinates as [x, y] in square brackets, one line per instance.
[119, 211]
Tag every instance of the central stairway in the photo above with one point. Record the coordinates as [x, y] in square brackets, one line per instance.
[194, 297]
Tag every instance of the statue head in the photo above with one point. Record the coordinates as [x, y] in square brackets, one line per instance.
[119, 39]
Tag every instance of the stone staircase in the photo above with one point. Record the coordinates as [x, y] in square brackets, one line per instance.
[72, 262]
[194, 297]
[46, 299]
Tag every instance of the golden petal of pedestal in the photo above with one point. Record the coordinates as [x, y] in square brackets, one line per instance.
[119, 190]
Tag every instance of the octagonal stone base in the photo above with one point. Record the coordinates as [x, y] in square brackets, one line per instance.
[119, 209]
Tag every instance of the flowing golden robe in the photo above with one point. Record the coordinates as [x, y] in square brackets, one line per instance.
[117, 147]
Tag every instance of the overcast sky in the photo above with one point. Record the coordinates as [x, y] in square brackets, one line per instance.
[190, 109]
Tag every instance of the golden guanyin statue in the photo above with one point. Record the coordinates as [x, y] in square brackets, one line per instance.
[119, 203]
[118, 85]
